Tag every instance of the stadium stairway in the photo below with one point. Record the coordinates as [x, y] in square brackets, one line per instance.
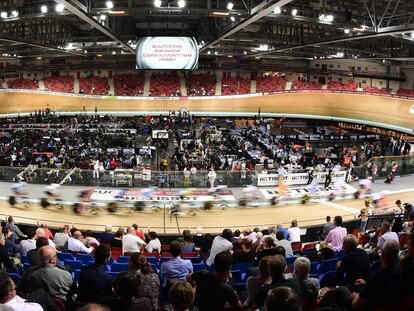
[288, 86]
[218, 87]
[253, 88]
[147, 79]
[183, 85]
[4, 84]
[111, 86]
[76, 86]
[324, 87]
[41, 85]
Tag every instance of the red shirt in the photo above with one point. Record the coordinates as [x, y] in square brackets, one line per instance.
[140, 234]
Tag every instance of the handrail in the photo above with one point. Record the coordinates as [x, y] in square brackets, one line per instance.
[378, 158]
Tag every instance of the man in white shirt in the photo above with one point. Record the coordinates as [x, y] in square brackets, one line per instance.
[220, 244]
[10, 299]
[154, 244]
[281, 241]
[30, 243]
[294, 232]
[75, 244]
[387, 234]
[212, 177]
[131, 243]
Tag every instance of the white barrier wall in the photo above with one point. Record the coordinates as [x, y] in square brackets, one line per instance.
[297, 178]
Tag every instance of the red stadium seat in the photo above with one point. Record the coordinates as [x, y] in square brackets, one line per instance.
[164, 84]
[266, 84]
[306, 85]
[342, 86]
[23, 84]
[59, 84]
[201, 85]
[93, 86]
[129, 84]
[405, 92]
[234, 86]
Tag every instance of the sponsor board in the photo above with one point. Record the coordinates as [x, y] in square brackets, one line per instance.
[296, 178]
[134, 195]
[298, 192]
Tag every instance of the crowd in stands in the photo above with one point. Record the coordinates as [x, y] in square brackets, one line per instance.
[129, 84]
[23, 84]
[201, 84]
[270, 83]
[93, 86]
[165, 84]
[342, 86]
[235, 86]
[405, 92]
[376, 89]
[59, 84]
[251, 269]
[306, 85]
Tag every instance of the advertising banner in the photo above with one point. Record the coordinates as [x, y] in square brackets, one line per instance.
[296, 178]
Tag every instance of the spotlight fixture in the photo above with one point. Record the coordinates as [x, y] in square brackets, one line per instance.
[215, 53]
[102, 17]
[294, 12]
[277, 10]
[59, 7]
[43, 9]
[109, 4]
[245, 52]
[15, 13]
[232, 18]
[347, 31]
[181, 3]
[157, 3]
[329, 18]
[3, 14]
[39, 58]
[113, 52]
[230, 6]
[263, 47]
[208, 52]
[412, 35]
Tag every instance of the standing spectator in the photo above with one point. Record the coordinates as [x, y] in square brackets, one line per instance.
[75, 244]
[188, 245]
[181, 296]
[94, 282]
[364, 216]
[154, 245]
[30, 243]
[220, 244]
[48, 233]
[107, 235]
[16, 233]
[61, 238]
[281, 241]
[336, 236]
[328, 176]
[175, 268]
[310, 176]
[213, 284]
[96, 166]
[384, 286]
[131, 243]
[139, 232]
[212, 178]
[33, 255]
[150, 280]
[294, 232]
[117, 239]
[328, 226]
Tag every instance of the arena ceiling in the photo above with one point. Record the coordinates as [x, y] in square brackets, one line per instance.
[247, 31]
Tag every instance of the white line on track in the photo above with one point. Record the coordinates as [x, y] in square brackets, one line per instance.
[341, 207]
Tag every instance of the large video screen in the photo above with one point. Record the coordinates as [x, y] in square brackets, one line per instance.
[167, 53]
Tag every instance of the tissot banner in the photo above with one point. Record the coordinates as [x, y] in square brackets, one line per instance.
[167, 53]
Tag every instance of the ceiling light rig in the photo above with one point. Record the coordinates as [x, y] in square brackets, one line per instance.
[181, 3]
[294, 12]
[59, 7]
[157, 3]
[43, 9]
[230, 6]
[109, 4]
[277, 10]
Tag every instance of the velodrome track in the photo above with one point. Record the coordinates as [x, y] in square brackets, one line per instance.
[381, 110]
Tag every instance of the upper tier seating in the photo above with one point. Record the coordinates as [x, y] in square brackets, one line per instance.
[59, 84]
[270, 83]
[405, 92]
[345, 86]
[306, 85]
[164, 84]
[23, 84]
[201, 85]
[376, 89]
[234, 86]
[129, 84]
[93, 86]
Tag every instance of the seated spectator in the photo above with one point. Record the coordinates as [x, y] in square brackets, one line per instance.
[15, 231]
[150, 280]
[384, 286]
[54, 279]
[94, 282]
[282, 299]
[309, 286]
[33, 255]
[75, 244]
[131, 243]
[336, 236]
[181, 296]
[354, 265]
[117, 239]
[40, 233]
[128, 294]
[386, 235]
[277, 268]
[408, 264]
[254, 283]
[279, 228]
[199, 238]
[247, 254]
[187, 245]
[93, 307]
[213, 284]
[12, 247]
[30, 242]
[281, 241]
[407, 226]
[107, 235]
[175, 268]
[7, 262]
[89, 240]
[61, 238]
[9, 297]
[267, 248]
[138, 232]
[154, 245]
[220, 244]
[294, 232]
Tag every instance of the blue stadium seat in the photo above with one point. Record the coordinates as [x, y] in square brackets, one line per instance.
[340, 254]
[65, 256]
[74, 264]
[242, 266]
[118, 267]
[152, 260]
[194, 259]
[15, 277]
[198, 266]
[123, 259]
[164, 259]
[113, 274]
[328, 279]
[314, 267]
[327, 265]
[236, 276]
[155, 268]
[85, 258]
[290, 260]
[76, 275]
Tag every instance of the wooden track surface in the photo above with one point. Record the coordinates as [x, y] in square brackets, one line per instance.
[393, 111]
[212, 221]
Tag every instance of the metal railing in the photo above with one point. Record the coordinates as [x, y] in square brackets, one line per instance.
[405, 166]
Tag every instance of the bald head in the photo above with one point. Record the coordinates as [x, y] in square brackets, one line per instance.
[47, 254]
[77, 235]
[131, 230]
[40, 233]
